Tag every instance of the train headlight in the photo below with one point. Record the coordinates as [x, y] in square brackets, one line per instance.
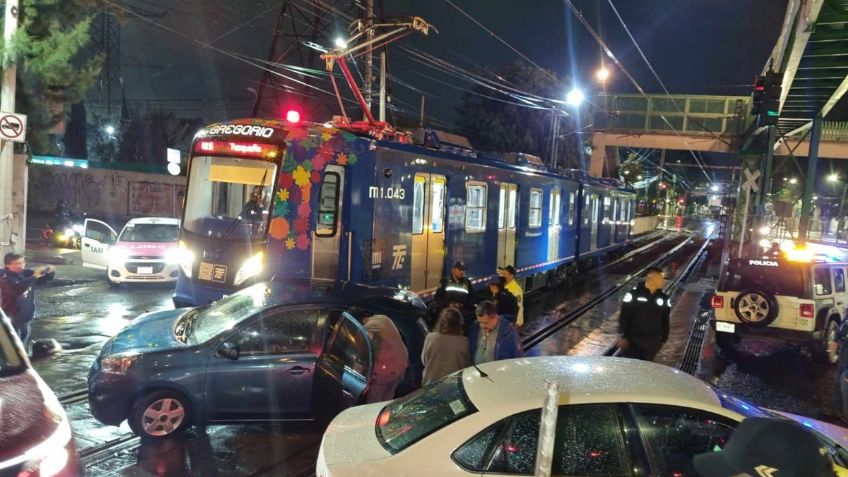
[185, 257]
[252, 266]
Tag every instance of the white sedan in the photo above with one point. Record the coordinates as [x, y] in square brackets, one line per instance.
[616, 417]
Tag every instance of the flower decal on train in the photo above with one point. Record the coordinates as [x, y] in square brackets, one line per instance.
[308, 153]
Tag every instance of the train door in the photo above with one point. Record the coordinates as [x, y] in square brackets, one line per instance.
[428, 230]
[614, 227]
[507, 207]
[554, 224]
[327, 237]
[594, 213]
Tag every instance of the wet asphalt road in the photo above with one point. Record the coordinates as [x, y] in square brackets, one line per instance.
[81, 311]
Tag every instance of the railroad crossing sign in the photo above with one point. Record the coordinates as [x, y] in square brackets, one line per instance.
[751, 181]
[13, 127]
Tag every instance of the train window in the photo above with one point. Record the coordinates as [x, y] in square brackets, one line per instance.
[437, 205]
[571, 208]
[614, 216]
[587, 208]
[595, 207]
[606, 215]
[535, 219]
[512, 207]
[328, 206]
[502, 208]
[475, 207]
[418, 205]
[554, 207]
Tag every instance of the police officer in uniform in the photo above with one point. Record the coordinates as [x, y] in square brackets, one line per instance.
[644, 318]
[455, 291]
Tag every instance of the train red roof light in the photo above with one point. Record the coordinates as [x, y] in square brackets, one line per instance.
[293, 116]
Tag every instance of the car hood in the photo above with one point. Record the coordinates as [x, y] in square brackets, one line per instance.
[149, 332]
[25, 418]
[836, 433]
[352, 438]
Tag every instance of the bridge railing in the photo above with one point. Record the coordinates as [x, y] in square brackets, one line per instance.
[690, 114]
[836, 131]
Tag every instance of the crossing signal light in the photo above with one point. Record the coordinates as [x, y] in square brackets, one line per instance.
[765, 99]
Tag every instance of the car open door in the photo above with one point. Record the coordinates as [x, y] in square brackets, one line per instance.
[97, 237]
[342, 370]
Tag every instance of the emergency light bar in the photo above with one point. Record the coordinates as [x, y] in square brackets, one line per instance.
[240, 149]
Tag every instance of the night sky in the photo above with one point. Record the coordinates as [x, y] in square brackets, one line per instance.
[696, 46]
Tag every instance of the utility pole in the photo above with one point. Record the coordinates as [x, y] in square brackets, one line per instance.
[272, 56]
[7, 148]
[383, 85]
[421, 114]
[369, 55]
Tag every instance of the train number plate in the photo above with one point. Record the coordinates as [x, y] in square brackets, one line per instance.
[145, 270]
[725, 327]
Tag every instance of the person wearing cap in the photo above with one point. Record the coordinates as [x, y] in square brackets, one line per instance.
[492, 338]
[456, 291]
[505, 301]
[644, 318]
[768, 447]
[512, 286]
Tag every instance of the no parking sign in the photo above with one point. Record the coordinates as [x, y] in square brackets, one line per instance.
[13, 127]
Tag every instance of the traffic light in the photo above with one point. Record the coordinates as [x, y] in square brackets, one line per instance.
[757, 96]
[765, 100]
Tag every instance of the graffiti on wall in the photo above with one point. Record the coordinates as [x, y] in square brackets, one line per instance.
[155, 199]
[105, 192]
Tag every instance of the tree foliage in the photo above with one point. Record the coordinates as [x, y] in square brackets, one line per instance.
[55, 68]
[498, 122]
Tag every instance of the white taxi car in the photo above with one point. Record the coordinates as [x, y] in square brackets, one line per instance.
[799, 301]
[145, 251]
[616, 417]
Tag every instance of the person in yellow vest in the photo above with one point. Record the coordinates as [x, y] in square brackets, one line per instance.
[512, 286]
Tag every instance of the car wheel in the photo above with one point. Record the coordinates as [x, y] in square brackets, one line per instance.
[755, 308]
[828, 349]
[160, 414]
[110, 282]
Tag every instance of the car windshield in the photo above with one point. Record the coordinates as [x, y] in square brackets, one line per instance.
[409, 419]
[227, 313]
[150, 233]
[229, 197]
[770, 276]
[10, 356]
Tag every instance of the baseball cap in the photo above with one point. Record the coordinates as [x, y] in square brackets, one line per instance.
[508, 268]
[458, 264]
[765, 447]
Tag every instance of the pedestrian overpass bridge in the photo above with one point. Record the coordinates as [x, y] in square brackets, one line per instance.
[812, 54]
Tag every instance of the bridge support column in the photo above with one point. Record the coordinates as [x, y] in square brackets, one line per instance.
[810, 180]
[603, 161]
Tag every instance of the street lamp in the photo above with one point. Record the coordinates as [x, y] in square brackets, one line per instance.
[574, 97]
[340, 43]
[714, 187]
[833, 178]
[602, 74]
[109, 129]
[793, 181]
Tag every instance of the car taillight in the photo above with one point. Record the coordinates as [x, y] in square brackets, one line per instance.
[717, 301]
[807, 310]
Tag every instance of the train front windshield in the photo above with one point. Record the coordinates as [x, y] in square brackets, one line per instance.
[229, 198]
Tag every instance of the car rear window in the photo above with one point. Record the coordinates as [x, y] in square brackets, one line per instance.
[771, 276]
[407, 420]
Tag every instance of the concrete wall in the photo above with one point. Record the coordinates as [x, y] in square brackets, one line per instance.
[643, 225]
[104, 193]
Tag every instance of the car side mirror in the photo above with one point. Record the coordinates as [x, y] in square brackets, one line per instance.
[228, 350]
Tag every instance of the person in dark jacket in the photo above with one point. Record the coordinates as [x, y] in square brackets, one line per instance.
[390, 358]
[644, 318]
[506, 302]
[492, 338]
[16, 291]
[445, 348]
[455, 291]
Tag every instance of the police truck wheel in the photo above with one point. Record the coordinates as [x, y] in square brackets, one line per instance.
[828, 348]
[160, 414]
[755, 308]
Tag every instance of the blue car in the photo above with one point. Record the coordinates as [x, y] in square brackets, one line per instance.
[276, 351]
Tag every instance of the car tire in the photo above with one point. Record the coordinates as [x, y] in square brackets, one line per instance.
[827, 350]
[755, 308]
[163, 413]
[110, 282]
